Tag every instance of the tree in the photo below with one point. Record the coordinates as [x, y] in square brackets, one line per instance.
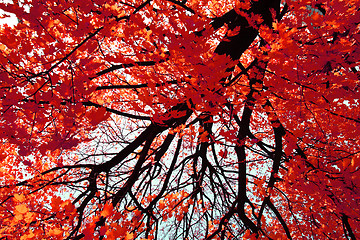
[166, 119]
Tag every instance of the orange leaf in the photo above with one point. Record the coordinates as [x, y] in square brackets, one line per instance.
[161, 204]
[108, 210]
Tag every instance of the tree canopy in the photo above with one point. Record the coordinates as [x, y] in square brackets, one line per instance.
[167, 119]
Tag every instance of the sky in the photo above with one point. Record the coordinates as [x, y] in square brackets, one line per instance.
[12, 20]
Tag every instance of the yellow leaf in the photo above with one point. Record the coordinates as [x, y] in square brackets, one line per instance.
[22, 208]
[18, 216]
[129, 236]
[29, 217]
[54, 232]
[19, 197]
[28, 236]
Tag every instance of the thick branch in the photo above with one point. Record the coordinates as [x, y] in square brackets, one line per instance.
[134, 86]
[88, 103]
[345, 220]
[126, 65]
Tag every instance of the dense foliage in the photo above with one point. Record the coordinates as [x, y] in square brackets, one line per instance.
[166, 119]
